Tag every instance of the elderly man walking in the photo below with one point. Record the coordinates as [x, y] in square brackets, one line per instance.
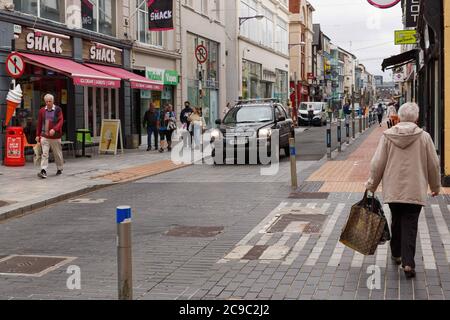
[49, 133]
[407, 162]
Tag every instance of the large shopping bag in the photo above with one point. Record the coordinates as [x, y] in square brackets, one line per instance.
[37, 154]
[365, 226]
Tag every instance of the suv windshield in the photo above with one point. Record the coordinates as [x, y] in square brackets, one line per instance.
[316, 107]
[247, 114]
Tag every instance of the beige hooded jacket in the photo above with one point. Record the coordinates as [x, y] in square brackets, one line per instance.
[407, 162]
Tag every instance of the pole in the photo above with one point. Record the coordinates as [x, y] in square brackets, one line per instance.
[329, 139]
[347, 130]
[293, 163]
[353, 111]
[339, 134]
[124, 258]
[295, 115]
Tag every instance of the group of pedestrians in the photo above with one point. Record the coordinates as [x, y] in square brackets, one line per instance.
[162, 123]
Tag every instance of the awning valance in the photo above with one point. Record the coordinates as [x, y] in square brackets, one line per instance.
[400, 59]
[137, 81]
[81, 75]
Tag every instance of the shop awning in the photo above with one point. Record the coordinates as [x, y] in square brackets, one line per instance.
[400, 59]
[81, 75]
[137, 81]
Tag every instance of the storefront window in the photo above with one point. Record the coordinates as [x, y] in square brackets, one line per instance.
[99, 16]
[143, 35]
[251, 80]
[281, 88]
[101, 104]
[203, 79]
[47, 9]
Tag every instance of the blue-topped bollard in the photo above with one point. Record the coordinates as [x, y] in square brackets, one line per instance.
[124, 257]
[293, 163]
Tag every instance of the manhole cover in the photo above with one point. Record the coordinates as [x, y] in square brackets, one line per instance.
[34, 266]
[298, 223]
[255, 252]
[194, 232]
[309, 195]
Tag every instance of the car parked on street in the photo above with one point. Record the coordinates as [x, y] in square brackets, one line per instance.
[249, 126]
[314, 110]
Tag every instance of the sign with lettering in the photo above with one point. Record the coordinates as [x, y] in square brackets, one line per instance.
[100, 53]
[412, 11]
[160, 15]
[166, 77]
[405, 37]
[41, 41]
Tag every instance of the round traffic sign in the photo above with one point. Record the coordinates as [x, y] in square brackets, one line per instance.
[383, 4]
[15, 65]
[201, 53]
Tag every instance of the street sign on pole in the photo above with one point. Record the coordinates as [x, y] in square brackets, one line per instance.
[15, 65]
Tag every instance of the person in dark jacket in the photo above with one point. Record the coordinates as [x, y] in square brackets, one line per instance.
[49, 133]
[380, 113]
[151, 122]
[185, 113]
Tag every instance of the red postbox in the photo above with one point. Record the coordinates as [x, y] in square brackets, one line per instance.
[15, 147]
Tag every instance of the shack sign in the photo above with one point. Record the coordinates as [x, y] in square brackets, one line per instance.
[160, 15]
[101, 53]
[383, 4]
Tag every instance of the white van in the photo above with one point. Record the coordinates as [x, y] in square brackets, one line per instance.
[319, 113]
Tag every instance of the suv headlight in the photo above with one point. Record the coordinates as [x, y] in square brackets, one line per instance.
[265, 133]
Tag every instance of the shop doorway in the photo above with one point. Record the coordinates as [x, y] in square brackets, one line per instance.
[99, 104]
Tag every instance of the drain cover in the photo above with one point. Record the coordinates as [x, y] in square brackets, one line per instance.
[194, 232]
[34, 266]
[299, 223]
[309, 195]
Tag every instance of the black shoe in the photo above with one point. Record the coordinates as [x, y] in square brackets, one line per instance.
[161, 150]
[169, 149]
[409, 272]
[42, 174]
[59, 172]
[397, 260]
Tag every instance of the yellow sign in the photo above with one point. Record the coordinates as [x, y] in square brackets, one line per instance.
[405, 37]
[109, 136]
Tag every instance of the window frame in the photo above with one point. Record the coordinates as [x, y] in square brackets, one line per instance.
[38, 12]
[159, 34]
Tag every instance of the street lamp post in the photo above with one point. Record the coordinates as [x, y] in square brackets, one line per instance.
[238, 65]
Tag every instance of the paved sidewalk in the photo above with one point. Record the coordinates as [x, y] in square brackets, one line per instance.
[23, 191]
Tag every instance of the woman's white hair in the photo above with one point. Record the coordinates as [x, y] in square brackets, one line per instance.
[409, 112]
[49, 96]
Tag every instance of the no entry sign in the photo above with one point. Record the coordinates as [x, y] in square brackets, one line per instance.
[383, 4]
[201, 53]
[15, 66]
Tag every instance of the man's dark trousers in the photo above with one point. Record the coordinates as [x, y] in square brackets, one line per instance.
[405, 219]
[152, 130]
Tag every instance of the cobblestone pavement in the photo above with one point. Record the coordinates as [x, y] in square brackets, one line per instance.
[269, 245]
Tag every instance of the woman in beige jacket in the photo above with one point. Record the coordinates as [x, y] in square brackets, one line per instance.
[407, 162]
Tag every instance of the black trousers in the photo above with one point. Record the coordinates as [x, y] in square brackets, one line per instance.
[380, 118]
[405, 220]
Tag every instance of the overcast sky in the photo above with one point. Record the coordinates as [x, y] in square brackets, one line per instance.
[364, 30]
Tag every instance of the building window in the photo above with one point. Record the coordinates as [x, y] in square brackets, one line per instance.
[282, 37]
[249, 28]
[99, 16]
[251, 80]
[281, 86]
[47, 9]
[153, 38]
[267, 36]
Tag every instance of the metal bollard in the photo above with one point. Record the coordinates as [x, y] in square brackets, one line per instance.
[347, 130]
[339, 134]
[329, 139]
[353, 128]
[360, 124]
[364, 123]
[293, 163]
[124, 257]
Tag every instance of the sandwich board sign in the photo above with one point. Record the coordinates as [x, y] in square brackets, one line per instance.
[110, 134]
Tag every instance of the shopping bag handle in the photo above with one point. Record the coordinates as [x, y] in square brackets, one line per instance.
[365, 199]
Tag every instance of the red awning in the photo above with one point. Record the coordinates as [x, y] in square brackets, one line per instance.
[81, 75]
[137, 81]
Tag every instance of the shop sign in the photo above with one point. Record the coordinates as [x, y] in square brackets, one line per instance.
[100, 53]
[40, 41]
[405, 37]
[399, 77]
[160, 15]
[161, 76]
[412, 11]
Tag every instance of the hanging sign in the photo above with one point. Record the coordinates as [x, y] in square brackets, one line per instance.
[160, 15]
[383, 4]
[412, 11]
[405, 37]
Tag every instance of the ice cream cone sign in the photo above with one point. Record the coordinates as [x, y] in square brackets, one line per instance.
[13, 100]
